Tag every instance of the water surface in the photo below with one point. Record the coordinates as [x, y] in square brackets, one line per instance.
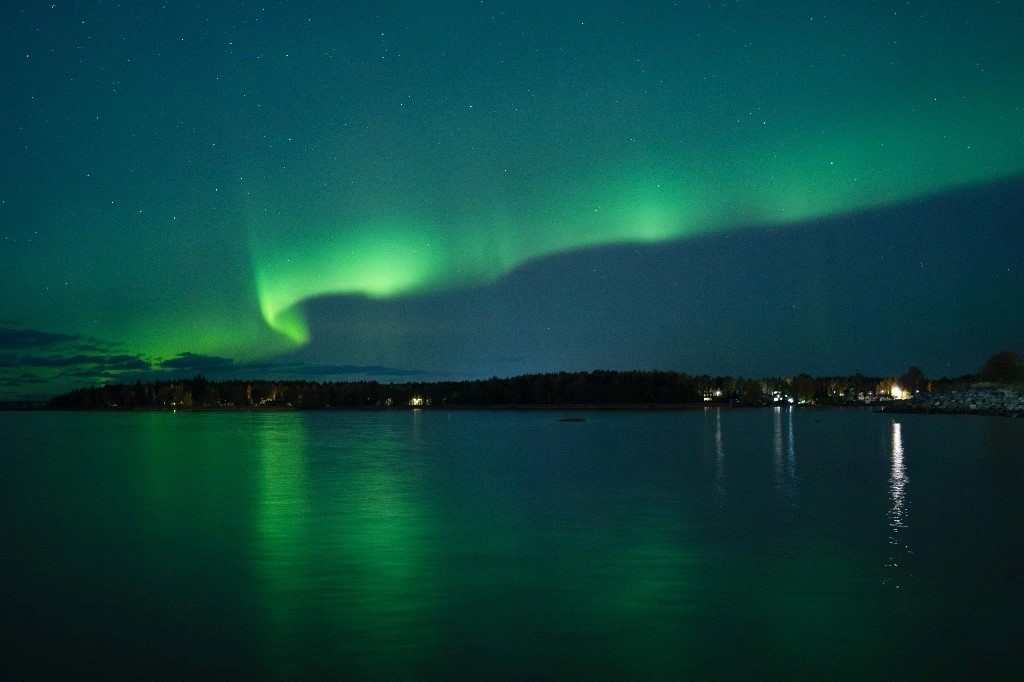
[507, 544]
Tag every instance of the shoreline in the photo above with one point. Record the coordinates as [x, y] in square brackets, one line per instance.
[998, 401]
[992, 401]
[525, 407]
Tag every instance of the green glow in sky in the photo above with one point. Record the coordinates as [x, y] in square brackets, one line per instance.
[848, 165]
[190, 179]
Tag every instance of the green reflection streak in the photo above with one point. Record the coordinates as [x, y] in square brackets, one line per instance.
[832, 167]
[343, 547]
[654, 593]
[283, 528]
[385, 543]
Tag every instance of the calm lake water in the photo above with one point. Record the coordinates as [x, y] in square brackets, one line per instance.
[506, 544]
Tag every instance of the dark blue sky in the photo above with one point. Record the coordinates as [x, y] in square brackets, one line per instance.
[466, 189]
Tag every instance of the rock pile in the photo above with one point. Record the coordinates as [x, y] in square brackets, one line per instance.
[1000, 401]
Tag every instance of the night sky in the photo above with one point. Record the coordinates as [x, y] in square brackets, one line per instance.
[448, 190]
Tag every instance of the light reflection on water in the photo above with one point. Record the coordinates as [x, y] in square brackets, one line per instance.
[898, 508]
[343, 547]
[784, 453]
[719, 488]
[282, 522]
[507, 544]
[791, 455]
[357, 564]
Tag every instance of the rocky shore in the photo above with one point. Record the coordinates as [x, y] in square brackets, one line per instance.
[1002, 401]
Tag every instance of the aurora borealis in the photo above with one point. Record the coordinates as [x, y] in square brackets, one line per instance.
[458, 190]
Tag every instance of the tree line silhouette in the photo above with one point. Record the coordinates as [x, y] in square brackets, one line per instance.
[597, 388]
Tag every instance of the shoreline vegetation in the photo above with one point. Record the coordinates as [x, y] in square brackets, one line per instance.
[997, 389]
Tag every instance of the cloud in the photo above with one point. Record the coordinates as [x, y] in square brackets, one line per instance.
[304, 370]
[24, 379]
[92, 374]
[57, 361]
[197, 362]
[128, 362]
[36, 358]
[11, 339]
[375, 370]
[213, 364]
[95, 346]
[121, 363]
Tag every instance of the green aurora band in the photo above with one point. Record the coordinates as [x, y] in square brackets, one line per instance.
[849, 165]
[284, 189]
